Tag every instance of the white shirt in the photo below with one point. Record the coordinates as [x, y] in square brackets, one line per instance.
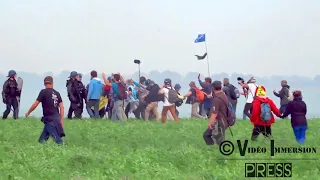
[251, 92]
[165, 91]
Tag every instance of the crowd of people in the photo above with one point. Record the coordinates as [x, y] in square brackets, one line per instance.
[115, 98]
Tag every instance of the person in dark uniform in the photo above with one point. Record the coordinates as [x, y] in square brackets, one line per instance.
[215, 133]
[53, 112]
[77, 94]
[10, 92]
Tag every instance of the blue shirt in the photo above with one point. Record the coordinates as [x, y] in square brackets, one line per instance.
[95, 89]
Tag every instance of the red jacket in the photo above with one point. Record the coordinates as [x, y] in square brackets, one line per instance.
[107, 88]
[256, 111]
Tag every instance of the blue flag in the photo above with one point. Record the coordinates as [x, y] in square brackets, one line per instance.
[200, 38]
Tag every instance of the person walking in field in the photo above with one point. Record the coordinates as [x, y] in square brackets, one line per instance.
[77, 95]
[262, 114]
[298, 111]
[284, 94]
[10, 94]
[133, 97]
[119, 95]
[139, 113]
[215, 133]
[251, 89]
[94, 93]
[194, 97]
[206, 105]
[177, 87]
[232, 93]
[53, 112]
[152, 99]
[167, 105]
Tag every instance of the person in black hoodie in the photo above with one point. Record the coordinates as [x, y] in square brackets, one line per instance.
[10, 92]
[152, 99]
[284, 95]
[298, 110]
[177, 87]
[77, 94]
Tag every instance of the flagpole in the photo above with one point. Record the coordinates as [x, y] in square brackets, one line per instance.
[205, 44]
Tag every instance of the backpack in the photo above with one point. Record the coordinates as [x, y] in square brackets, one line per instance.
[230, 116]
[160, 97]
[172, 96]
[122, 94]
[234, 92]
[199, 95]
[179, 103]
[266, 113]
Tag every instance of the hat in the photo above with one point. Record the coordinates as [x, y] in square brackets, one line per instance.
[80, 75]
[177, 86]
[297, 93]
[167, 81]
[261, 91]
[11, 73]
[73, 74]
[217, 85]
[148, 82]
[48, 80]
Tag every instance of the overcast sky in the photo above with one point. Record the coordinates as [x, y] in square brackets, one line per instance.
[261, 37]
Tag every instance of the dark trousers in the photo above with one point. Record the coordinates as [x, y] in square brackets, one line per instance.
[234, 105]
[109, 109]
[102, 112]
[208, 112]
[265, 130]
[201, 108]
[109, 112]
[139, 113]
[50, 129]
[11, 102]
[247, 109]
[127, 109]
[216, 135]
[283, 108]
[95, 104]
[300, 133]
[77, 109]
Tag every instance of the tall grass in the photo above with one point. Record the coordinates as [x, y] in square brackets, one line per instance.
[100, 149]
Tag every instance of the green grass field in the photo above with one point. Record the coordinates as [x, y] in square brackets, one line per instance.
[139, 150]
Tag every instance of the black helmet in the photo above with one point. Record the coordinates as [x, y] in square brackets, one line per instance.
[167, 81]
[148, 82]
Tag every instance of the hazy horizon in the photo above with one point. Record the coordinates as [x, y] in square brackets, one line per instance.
[310, 87]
